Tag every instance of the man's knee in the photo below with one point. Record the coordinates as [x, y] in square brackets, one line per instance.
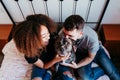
[37, 78]
[68, 73]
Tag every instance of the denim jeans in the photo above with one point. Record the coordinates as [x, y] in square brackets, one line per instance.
[106, 66]
[63, 73]
[37, 72]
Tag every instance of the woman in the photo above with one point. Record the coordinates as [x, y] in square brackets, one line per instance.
[33, 38]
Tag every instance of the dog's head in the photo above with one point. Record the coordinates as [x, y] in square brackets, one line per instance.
[63, 45]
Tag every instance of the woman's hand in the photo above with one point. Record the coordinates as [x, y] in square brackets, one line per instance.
[59, 58]
[72, 65]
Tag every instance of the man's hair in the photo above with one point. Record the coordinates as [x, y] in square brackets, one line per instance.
[27, 34]
[74, 22]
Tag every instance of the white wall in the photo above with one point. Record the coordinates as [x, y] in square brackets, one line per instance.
[4, 19]
[111, 16]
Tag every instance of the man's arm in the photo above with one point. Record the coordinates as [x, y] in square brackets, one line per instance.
[83, 62]
[86, 60]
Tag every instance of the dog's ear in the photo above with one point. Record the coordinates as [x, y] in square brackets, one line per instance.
[55, 35]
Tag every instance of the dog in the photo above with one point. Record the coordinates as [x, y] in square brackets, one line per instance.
[64, 46]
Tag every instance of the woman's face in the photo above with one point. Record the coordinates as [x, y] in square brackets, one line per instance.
[45, 35]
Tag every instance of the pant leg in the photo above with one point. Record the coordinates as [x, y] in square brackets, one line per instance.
[87, 72]
[64, 73]
[106, 64]
[47, 75]
[40, 73]
[37, 72]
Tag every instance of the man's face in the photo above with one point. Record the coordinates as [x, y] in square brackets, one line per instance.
[74, 34]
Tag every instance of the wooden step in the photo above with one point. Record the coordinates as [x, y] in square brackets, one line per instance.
[5, 30]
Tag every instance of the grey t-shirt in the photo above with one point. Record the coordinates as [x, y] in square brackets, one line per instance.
[89, 41]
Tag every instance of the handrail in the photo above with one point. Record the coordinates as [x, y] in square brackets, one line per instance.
[7, 12]
[60, 11]
[102, 15]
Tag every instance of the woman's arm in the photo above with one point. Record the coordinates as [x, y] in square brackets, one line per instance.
[55, 60]
[39, 63]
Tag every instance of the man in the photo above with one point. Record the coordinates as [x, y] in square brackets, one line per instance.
[88, 50]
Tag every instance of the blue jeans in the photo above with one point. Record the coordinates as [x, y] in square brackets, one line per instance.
[106, 66]
[40, 73]
[63, 73]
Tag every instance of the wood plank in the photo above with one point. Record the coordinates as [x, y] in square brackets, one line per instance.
[5, 30]
[112, 32]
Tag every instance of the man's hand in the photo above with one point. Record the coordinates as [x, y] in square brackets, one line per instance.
[72, 65]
